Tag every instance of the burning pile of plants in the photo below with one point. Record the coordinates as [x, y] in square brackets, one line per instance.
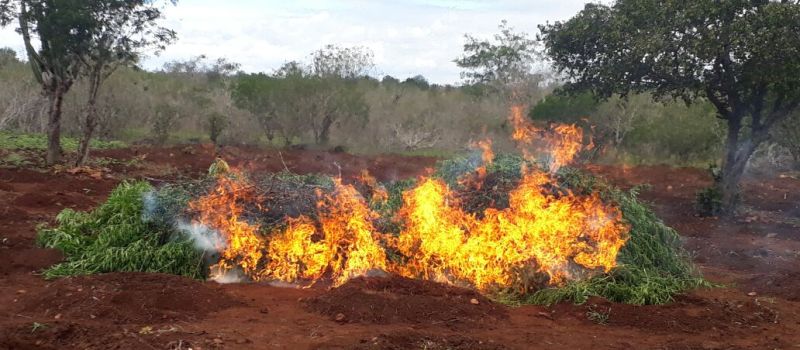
[517, 228]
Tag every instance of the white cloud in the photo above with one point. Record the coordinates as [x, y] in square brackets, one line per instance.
[408, 37]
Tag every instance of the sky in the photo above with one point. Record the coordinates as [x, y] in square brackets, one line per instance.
[408, 37]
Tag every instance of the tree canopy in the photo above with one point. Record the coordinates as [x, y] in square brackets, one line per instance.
[506, 60]
[741, 55]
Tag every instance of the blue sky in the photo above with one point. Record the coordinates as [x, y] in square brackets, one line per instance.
[408, 37]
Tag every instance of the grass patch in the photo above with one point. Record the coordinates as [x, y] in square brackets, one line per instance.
[17, 141]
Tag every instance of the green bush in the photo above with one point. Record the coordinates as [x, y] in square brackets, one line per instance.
[117, 237]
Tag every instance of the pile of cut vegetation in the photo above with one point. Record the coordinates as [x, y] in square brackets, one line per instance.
[137, 230]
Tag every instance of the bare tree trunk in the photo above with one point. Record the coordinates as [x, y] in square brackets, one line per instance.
[737, 154]
[325, 130]
[90, 123]
[56, 99]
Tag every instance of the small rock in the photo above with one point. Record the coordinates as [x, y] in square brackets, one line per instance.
[21, 291]
[242, 341]
[340, 317]
[669, 188]
[217, 341]
[752, 294]
[771, 235]
[474, 301]
[264, 310]
[57, 316]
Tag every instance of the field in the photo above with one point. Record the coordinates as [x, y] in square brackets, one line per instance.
[753, 258]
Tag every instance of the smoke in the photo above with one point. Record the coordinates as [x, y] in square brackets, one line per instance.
[203, 237]
[159, 211]
[223, 276]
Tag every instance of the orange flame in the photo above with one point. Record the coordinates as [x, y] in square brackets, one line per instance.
[563, 142]
[554, 232]
[477, 178]
[378, 193]
[345, 244]
[222, 209]
[539, 229]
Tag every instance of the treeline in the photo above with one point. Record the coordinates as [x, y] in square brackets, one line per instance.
[336, 104]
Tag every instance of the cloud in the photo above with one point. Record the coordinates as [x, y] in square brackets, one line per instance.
[408, 37]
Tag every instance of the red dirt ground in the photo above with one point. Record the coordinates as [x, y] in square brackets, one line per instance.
[756, 255]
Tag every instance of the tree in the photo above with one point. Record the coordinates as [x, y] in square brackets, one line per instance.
[418, 81]
[7, 56]
[62, 28]
[741, 55]
[787, 134]
[342, 62]
[505, 64]
[334, 94]
[124, 28]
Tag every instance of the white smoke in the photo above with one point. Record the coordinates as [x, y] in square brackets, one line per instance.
[221, 276]
[204, 238]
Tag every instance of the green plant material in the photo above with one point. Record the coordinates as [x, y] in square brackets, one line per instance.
[13, 141]
[118, 236]
[38, 326]
[708, 202]
[16, 160]
[598, 316]
[652, 266]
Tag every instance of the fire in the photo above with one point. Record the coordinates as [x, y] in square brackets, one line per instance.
[222, 209]
[345, 244]
[557, 234]
[563, 143]
[553, 234]
[476, 179]
[377, 192]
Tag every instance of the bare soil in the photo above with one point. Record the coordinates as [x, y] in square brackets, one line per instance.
[755, 255]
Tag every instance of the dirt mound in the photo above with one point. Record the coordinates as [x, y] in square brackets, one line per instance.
[128, 298]
[394, 299]
[414, 340]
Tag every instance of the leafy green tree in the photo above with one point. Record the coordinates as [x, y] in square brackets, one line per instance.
[390, 80]
[741, 55]
[418, 81]
[124, 28]
[313, 98]
[787, 134]
[75, 36]
[565, 108]
[504, 64]
[7, 56]
[62, 28]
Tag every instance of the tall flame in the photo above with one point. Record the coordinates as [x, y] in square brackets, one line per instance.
[222, 209]
[556, 233]
[345, 244]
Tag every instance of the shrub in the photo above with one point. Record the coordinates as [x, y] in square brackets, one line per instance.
[708, 202]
